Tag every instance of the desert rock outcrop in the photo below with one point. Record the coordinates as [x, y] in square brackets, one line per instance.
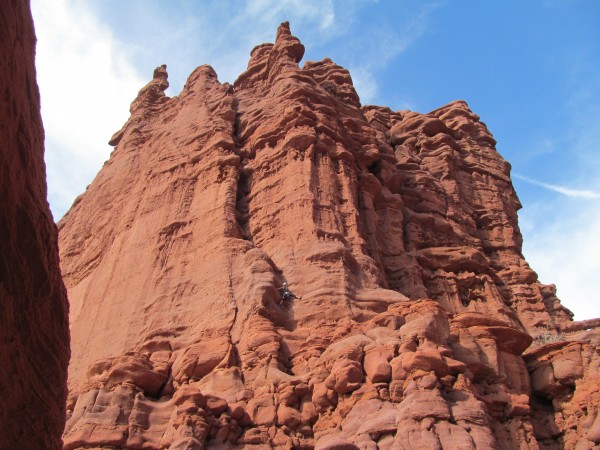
[34, 334]
[398, 230]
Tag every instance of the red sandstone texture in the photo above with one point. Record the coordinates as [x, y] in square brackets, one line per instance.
[34, 334]
[398, 230]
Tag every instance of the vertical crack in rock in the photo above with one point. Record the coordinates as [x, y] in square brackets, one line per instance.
[242, 203]
[244, 179]
[397, 232]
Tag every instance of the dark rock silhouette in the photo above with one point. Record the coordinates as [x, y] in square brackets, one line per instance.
[34, 334]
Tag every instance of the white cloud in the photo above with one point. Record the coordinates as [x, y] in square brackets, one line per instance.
[569, 192]
[86, 85]
[562, 245]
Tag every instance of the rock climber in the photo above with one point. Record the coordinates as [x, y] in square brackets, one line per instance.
[286, 294]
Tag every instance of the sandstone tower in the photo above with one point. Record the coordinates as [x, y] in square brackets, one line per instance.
[398, 230]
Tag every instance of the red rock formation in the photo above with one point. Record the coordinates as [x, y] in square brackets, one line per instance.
[34, 335]
[398, 230]
[564, 379]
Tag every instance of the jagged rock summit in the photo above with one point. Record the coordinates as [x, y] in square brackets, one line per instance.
[398, 230]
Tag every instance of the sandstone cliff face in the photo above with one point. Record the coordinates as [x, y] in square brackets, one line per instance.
[34, 334]
[398, 230]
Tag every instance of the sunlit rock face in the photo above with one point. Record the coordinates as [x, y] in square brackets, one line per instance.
[397, 230]
[34, 333]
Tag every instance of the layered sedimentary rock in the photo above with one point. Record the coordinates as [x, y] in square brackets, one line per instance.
[34, 334]
[564, 380]
[399, 232]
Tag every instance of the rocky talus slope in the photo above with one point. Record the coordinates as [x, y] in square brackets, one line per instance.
[398, 230]
[34, 333]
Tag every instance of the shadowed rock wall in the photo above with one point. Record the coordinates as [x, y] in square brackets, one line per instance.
[34, 335]
[398, 230]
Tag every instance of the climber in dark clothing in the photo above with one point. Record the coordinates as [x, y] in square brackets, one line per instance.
[286, 294]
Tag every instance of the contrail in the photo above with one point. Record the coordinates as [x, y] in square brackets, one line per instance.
[574, 193]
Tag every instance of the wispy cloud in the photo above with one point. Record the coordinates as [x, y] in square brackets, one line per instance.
[382, 44]
[318, 12]
[544, 147]
[573, 193]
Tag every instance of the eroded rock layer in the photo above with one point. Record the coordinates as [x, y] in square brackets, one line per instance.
[399, 232]
[34, 334]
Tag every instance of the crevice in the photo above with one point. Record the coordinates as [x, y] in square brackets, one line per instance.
[231, 294]
[242, 203]
[284, 358]
[244, 127]
[161, 390]
[375, 169]
[543, 420]
[244, 182]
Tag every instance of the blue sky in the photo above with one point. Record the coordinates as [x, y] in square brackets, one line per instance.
[530, 69]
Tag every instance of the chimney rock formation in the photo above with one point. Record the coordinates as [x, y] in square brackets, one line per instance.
[34, 332]
[399, 232]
